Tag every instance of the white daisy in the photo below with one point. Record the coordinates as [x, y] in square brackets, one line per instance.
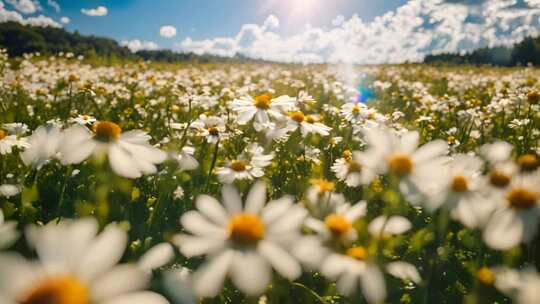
[307, 123]
[83, 120]
[418, 168]
[515, 219]
[521, 286]
[262, 108]
[43, 146]
[130, 155]
[243, 242]
[350, 169]
[76, 265]
[185, 159]
[210, 127]
[354, 111]
[7, 142]
[247, 166]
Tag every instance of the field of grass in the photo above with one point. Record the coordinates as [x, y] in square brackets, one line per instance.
[250, 183]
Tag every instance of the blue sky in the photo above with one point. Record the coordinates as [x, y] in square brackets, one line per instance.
[361, 31]
[199, 19]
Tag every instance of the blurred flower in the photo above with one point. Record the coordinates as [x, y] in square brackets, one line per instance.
[244, 242]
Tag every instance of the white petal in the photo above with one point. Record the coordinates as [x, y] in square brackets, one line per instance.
[119, 280]
[504, 230]
[191, 246]
[373, 285]
[250, 272]
[156, 257]
[104, 253]
[404, 271]
[231, 199]
[195, 223]
[122, 162]
[143, 297]
[208, 280]
[256, 198]
[212, 209]
[280, 259]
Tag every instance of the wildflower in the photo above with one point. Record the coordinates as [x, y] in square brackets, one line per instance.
[262, 108]
[130, 155]
[76, 265]
[516, 214]
[307, 124]
[351, 169]
[185, 159]
[43, 146]
[418, 168]
[248, 166]
[83, 120]
[210, 127]
[244, 242]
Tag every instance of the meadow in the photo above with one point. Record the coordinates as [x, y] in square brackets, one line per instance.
[141, 182]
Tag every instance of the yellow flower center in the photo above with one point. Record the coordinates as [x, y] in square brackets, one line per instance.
[238, 165]
[527, 162]
[106, 131]
[246, 229]
[263, 101]
[486, 276]
[354, 166]
[337, 224]
[297, 116]
[324, 185]
[460, 184]
[73, 78]
[213, 131]
[400, 164]
[522, 199]
[3, 134]
[58, 290]
[356, 109]
[498, 179]
[533, 97]
[347, 155]
[358, 253]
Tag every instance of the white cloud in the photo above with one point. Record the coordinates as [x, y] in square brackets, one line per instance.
[54, 5]
[65, 20]
[24, 6]
[7, 15]
[413, 30]
[95, 12]
[137, 45]
[167, 31]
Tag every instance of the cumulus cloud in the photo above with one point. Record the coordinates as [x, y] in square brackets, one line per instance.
[24, 6]
[95, 12]
[167, 31]
[44, 21]
[138, 45]
[65, 20]
[413, 30]
[54, 5]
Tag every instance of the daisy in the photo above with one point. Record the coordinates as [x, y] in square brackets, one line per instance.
[262, 108]
[385, 227]
[130, 155]
[83, 120]
[43, 146]
[242, 242]
[8, 232]
[307, 123]
[461, 192]
[321, 200]
[521, 286]
[417, 168]
[516, 214]
[247, 166]
[354, 111]
[8, 141]
[210, 127]
[337, 227]
[16, 128]
[350, 169]
[76, 265]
